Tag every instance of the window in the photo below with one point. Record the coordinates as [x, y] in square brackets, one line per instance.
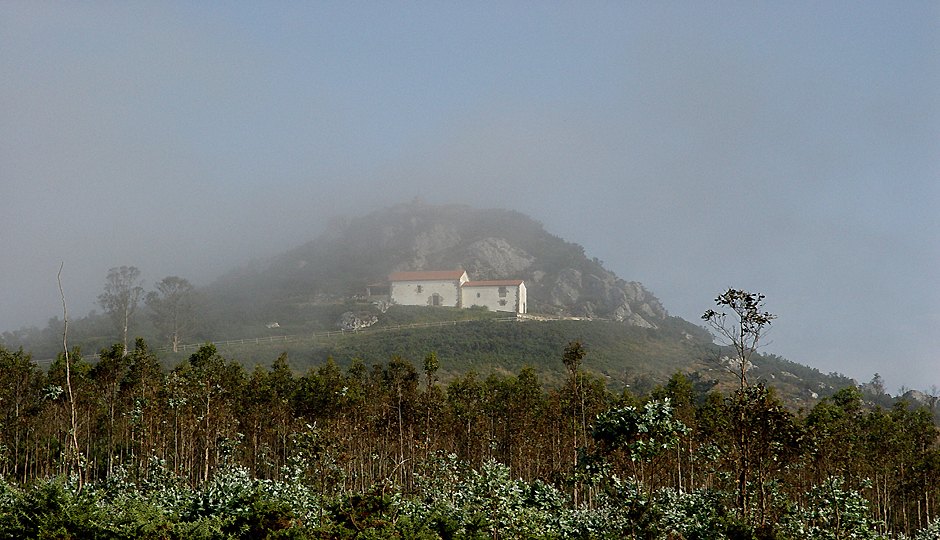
[435, 299]
[502, 302]
[502, 292]
[420, 288]
[478, 295]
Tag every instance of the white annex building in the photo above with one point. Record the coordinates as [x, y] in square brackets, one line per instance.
[454, 289]
[497, 295]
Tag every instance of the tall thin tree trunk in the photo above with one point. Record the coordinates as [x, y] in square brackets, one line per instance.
[73, 443]
[205, 472]
[127, 317]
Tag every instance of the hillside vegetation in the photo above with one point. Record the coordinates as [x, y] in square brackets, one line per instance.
[624, 356]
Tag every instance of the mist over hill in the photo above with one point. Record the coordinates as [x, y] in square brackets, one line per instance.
[315, 287]
[308, 288]
[489, 244]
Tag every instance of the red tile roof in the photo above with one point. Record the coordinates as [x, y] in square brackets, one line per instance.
[428, 275]
[494, 283]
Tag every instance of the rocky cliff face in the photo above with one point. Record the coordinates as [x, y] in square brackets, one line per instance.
[595, 293]
[488, 244]
[602, 294]
[496, 257]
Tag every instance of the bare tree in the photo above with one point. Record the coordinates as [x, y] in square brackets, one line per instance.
[122, 292]
[171, 308]
[741, 323]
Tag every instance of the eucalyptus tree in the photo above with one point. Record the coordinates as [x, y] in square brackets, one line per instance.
[573, 357]
[122, 293]
[171, 308]
[901, 457]
[107, 375]
[319, 395]
[640, 436]
[509, 419]
[835, 438]
[766, 441]
[264, 416]
[740, 322]
[66, 421]
[681, 393]
[20, 383]
[365, 414]
[465, 406]
[214, 386]
[432, 396]
[400, 382]
[281, 384]
[145, 414]
[528, 438]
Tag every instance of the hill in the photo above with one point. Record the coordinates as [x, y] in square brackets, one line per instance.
[320, 285]
[488, 244]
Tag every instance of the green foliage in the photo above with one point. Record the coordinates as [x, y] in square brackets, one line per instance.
[832, 512]
[457, 501]
[930, 532]
[641, 434]
[699, 515]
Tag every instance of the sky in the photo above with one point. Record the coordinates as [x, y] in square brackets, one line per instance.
[787, 148]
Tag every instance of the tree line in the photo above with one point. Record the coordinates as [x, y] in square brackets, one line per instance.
[171, 315]
[741, 462]
[379, 425]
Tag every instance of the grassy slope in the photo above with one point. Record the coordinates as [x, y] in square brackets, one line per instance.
[621, 354]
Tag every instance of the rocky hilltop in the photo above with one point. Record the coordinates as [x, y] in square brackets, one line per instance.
[489, 244]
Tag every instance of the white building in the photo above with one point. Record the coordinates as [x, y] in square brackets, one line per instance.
[497, 295]
[427, 288]
[453, 288]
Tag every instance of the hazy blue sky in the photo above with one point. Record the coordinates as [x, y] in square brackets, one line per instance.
[791, 148]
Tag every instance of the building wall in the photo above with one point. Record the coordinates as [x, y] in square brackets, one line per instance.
[511, 298]
[523, 306]
[421, 293]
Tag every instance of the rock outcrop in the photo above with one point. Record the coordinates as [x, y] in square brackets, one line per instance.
[601, 294]
[496, 257]
[356, 321]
